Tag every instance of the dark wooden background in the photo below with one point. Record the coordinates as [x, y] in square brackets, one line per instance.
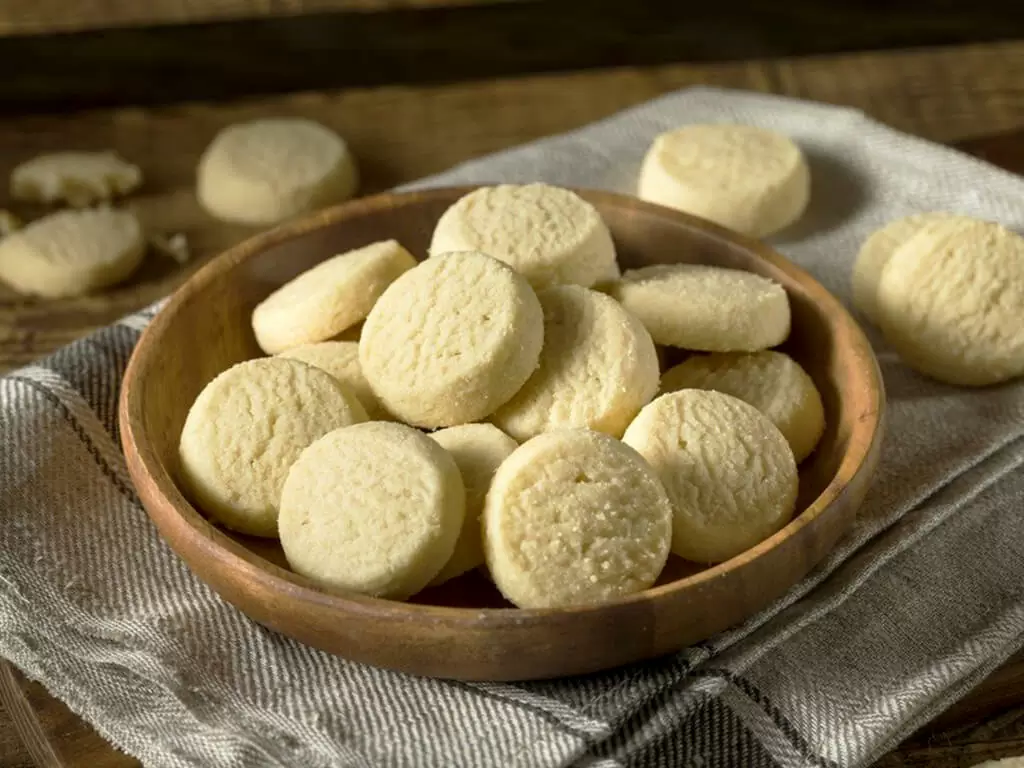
[250, 47]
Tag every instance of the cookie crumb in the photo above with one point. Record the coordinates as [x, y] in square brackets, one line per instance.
[173, 246]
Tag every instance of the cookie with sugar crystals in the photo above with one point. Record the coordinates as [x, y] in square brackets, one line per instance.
[706, 308]
[728, 470]
[330, 298]
[452, 340]
[575, 517]
[548, 234]
[374, 508]
[478, 450]
[247, 427]
[341, 360]
[597, 369]
[772, 382]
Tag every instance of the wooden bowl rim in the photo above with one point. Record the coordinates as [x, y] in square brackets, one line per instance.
[171, 511]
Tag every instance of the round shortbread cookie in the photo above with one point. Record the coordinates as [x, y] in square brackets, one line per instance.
[951, 300]
[329, 298]
[748, 179]
[1008, 762]
[264, 171]
[246, 429]
[876, 252]
[575, 517]
[772, 382]
[711, 309]
[547, 234]
[79, 178]
[452, 340]
[597, 369]
[375, 508]
[71, 253]
[728, 470]
[478, 450]
[341, 360]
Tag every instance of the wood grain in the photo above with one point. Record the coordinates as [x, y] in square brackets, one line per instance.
[987, 724]
[231, 60]
[34, 741]
[49, 734]
[40, 17]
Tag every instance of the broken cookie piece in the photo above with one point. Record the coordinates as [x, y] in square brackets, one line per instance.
[77, 178]
[172, 246]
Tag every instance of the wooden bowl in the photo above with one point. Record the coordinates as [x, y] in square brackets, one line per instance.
[463, 629]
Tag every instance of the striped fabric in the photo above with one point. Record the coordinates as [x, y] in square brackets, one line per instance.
[918, 603]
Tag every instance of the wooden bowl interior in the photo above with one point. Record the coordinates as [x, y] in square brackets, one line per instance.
[211, 331]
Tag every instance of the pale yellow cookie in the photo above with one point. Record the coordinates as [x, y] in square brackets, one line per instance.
[246, 429]
[77, 178]
[375, 508]
[876, 252]
[478, 450]
[951, 302]
[329, 298]
[547, 234]
[728, 470]
[706, 308]
[772, 382]
[575, 517]
[71, 253]
[341, 360]
[597, 369]
[748, 179]
[264, 171]
[452, 340]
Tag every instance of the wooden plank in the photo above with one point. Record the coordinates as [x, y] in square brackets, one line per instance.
[988, 723]
[50, 735]
[12, 751]
[33, 741]
[325, 51]
[40, 17]
[994, 739]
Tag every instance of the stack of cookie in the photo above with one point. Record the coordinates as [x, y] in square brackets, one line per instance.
[501, 404]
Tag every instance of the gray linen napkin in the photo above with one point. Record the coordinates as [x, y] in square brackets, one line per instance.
[917, 604]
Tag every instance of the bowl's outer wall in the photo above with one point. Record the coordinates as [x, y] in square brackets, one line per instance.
[205, 328]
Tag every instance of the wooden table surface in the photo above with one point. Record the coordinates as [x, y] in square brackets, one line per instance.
[967, 95]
